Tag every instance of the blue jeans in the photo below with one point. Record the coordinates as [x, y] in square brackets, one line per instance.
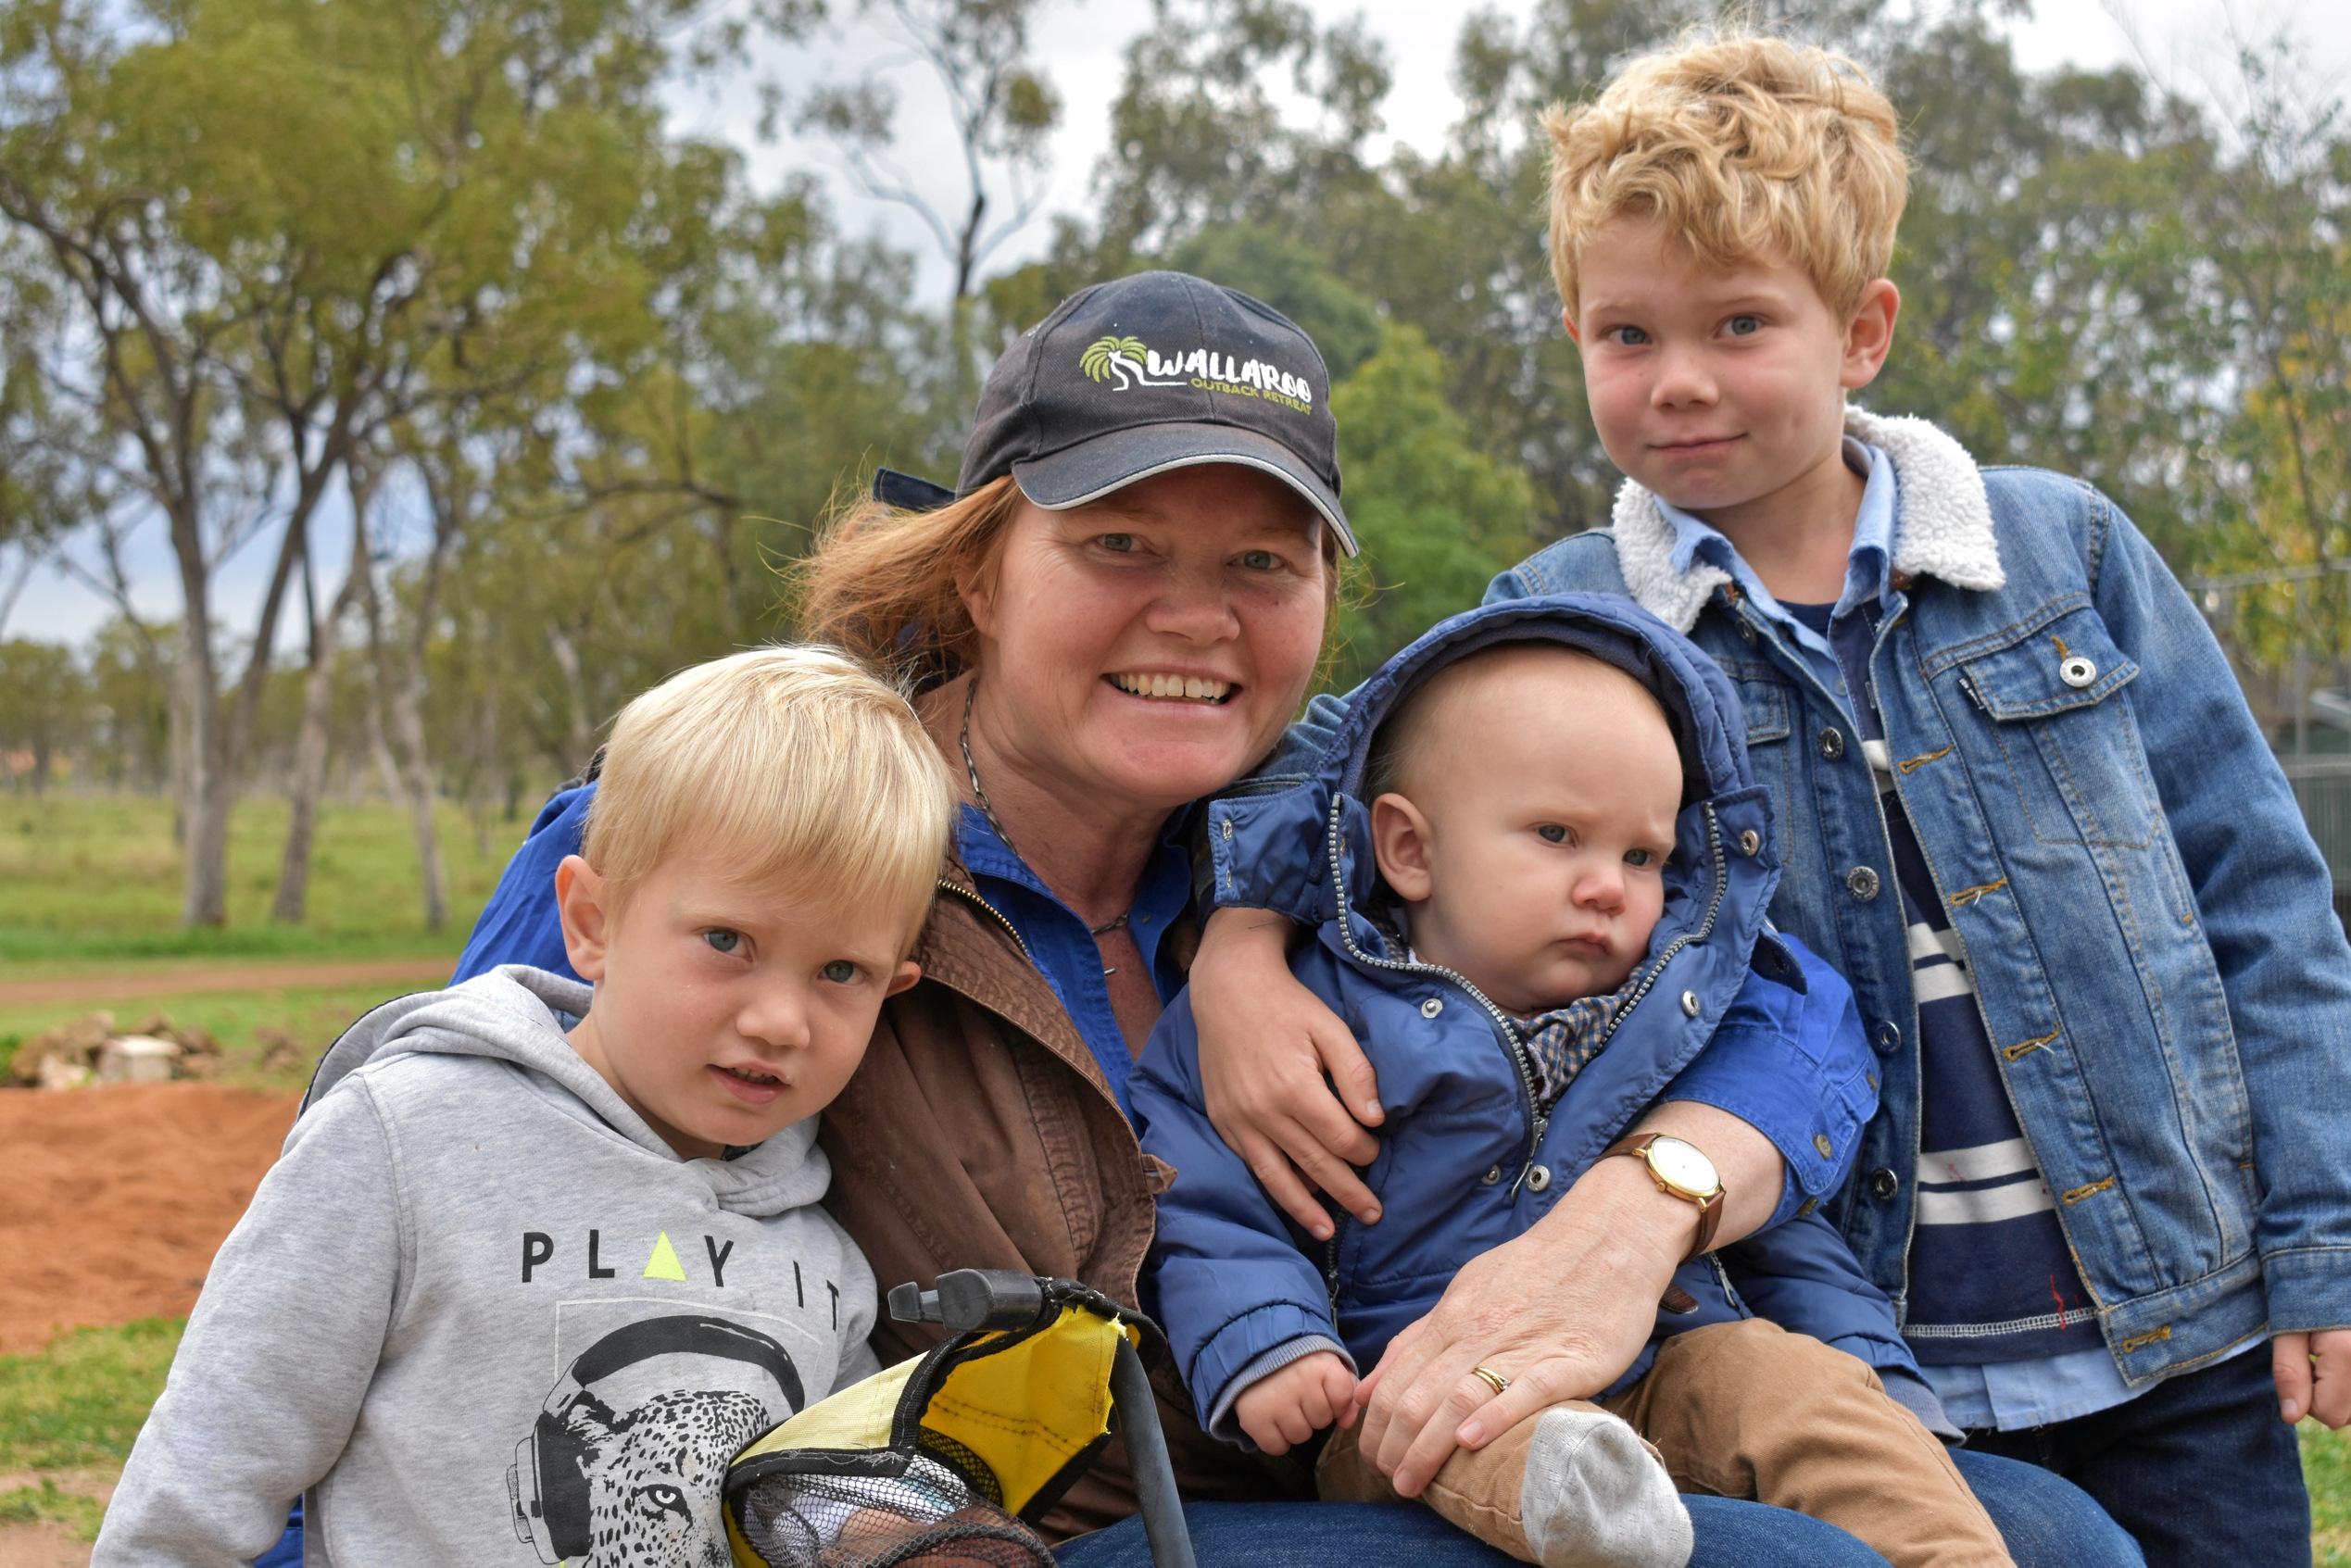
[2048, 1522]
[2199, 1467]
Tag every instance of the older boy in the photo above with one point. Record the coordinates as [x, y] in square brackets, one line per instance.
[2025, 809]
[542, 1257]
[1547, 875]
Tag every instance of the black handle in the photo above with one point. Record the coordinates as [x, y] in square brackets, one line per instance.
[970, 1299]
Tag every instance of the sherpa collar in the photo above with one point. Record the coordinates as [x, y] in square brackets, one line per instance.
[1942, 523]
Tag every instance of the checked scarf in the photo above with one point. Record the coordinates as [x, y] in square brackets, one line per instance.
[1562, 1041]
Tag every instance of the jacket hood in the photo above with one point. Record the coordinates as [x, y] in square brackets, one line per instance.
[1724, 867]
[519, 1015]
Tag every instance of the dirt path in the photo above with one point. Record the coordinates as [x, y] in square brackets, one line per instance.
[113, 1201]
[117, 1197]
[185, 979]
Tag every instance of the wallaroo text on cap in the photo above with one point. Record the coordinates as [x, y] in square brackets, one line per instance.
[1158, 372]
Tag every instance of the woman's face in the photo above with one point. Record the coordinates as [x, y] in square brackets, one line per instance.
[1146, 648]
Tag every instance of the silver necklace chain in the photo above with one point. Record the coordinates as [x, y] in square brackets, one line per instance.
[979, 793]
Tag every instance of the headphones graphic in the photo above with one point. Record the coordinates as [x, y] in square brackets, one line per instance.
[548, 1482]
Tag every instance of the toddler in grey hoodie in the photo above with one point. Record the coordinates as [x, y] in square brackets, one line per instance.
[539, 1258]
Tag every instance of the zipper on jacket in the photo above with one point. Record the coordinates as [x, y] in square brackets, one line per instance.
[1519, 1060]
[1538, 1119]
[1705, 929]
[970, 894]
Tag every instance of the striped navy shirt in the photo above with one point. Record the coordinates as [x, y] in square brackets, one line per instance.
[1993, 1291]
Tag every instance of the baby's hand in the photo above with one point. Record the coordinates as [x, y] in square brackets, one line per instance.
[1282, 1409]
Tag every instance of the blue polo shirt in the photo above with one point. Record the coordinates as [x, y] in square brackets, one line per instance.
[1063, 946]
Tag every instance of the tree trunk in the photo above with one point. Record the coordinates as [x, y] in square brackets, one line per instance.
[206, 787]
[579, 729]
[408, 721]
[310, 747]
[395, 724]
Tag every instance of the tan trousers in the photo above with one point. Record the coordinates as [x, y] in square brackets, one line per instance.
[1741, 1410]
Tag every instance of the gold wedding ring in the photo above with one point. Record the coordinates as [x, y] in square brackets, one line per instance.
[1490, 1378]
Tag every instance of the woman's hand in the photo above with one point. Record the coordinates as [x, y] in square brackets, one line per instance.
[1266, 1045]
[1561, 1310]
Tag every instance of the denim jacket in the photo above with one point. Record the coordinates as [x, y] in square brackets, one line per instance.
[1470, 1156]
[2149, 925]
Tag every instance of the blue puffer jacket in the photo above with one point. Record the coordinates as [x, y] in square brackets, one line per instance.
[1466, 1160]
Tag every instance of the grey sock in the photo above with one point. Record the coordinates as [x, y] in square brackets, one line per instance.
[1596, 1497]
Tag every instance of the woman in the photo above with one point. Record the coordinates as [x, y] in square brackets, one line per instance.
[1116, 614]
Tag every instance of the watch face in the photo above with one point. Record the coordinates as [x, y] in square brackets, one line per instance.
[1684, 1166]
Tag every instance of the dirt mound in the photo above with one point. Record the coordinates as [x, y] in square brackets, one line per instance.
[113, 1200]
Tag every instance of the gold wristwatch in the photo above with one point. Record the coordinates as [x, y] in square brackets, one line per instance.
[1683, 1171]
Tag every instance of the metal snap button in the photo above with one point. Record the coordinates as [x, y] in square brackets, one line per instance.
[1820, 1141]
[2077, 671]
[1746, 633]
[1883, 1183]
[1863, 882]
[1432, 1006]
[1887, 1037]
[1689, 1003]
[1750, 842]
[1806, 1207]
[1228, 830]
[1539, 1178]
[1832, 743]
[1491, 1178]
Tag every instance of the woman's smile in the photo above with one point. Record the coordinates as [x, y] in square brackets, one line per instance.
[1164, 686]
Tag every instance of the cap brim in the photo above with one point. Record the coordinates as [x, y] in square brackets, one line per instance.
[1092, 469]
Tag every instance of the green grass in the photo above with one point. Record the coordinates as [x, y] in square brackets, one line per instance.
[78, 1402]
[2326, 1462]
[93, 882]
[312, 1017]
[71, 1409]
[32, 1505]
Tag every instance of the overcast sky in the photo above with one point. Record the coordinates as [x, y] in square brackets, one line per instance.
[1079, 47]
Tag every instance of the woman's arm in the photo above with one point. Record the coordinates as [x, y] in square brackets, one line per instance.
[1561, 1310]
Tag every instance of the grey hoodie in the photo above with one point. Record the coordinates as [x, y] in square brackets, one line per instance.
[483, 1314]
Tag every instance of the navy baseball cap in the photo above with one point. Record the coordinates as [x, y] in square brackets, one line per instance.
[1161, 370]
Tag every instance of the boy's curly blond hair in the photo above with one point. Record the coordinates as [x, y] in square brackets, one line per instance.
[1740, 146]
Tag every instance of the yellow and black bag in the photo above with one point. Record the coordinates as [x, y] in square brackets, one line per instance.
[949, 1460]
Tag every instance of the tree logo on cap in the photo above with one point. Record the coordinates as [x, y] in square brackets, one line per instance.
[1131, 363]
[1122, 358]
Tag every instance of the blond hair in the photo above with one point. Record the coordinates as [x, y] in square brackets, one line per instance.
[882, 583]
[797, 763]
[1739, 146]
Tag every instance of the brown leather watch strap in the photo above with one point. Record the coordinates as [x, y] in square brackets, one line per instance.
[1709, 1207]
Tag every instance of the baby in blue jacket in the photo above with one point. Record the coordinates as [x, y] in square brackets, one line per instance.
[1543, 867]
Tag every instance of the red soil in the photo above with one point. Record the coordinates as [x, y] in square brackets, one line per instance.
[113, 1200]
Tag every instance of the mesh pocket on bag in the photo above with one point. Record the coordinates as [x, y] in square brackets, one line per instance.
[933, 1516]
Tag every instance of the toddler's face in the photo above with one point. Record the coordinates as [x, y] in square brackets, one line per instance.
[1547, 810]
[725, 1014]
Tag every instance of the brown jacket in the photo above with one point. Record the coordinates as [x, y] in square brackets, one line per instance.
[981, 1132]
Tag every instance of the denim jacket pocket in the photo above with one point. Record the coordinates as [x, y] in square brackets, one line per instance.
[2058, 719]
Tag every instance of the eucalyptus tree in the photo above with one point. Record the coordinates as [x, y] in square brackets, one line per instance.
[275, 228]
